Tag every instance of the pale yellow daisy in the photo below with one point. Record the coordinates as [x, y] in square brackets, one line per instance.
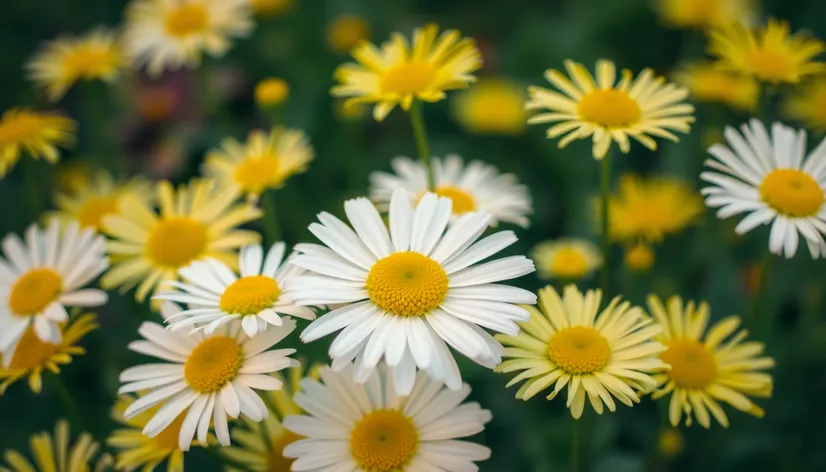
[707, 83]
[37, 134]
[494, 105]
[566, 259]
[54, 453]
[98, 197]
[807, 105]
[703, 14]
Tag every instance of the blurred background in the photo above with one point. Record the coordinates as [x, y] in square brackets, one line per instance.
[159, 128]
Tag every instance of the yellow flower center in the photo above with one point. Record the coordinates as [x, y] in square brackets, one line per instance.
[407, 78]
[579, 350]
[771, 66]
[792, 193]
[384, 441]
[249, 295]
[94, 209]
[19, 128]
[176, 242]
[213, 363]
[639, 257]
[609, 108]
[276, 462]
[407, 284]
[272, 91]
[186, 19]
[31, 352]
[463, 202]
[569, 263]
[257, 173]
[692, 365]
[34, 291]
[89, 62]
[168, 438]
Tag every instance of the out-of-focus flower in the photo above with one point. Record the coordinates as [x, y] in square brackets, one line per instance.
[703, 14]
[71, 176]
[670, 442]
[271, 7]
[639, 257]
[566, 259]
[707, 83]
[90, 202]
[272, 91]
[397, 74]
[345, 32]
[354, 112]
[608, 110]
[37, 134]
[808, 105]
[54, 453]
[492, 106]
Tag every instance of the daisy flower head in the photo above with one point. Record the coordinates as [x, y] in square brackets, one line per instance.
[374, 427]
[566, 259]
[40, 277]
[769, 54]
[407, 292]
[494, 105]
[171, 34]
[37, 134]
[703, 14]
[265, 161]
[600, 355]
[209, 377]
[64, 61]
[807, 105]
[608, 110]
[216, 295]
[346, 32]
[473, 187]
[55, 453]
[708, 365]
[271, 92]
[33, 356]
[707, 83]
[771, 178]
[196, 221]
[398, 74]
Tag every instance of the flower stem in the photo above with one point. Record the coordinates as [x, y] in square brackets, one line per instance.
[605, 190]
[420, 133]
[69, 403]
[753, 323]
[271, 228]
[576, 445]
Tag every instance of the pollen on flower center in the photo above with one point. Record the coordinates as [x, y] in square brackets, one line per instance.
[384, 441]
[257, 173]
[34, 291]
[249, 295]
[792, 193]
[185, 20]
[609, 108]
[692, 365]
[168, 438]
[771, 66]
[579, 350]
[569, 262]
[407, 284]
[31, 352]
[276, 462]
[408, 78]
[176, 241]
[213, 363]
[94, 209]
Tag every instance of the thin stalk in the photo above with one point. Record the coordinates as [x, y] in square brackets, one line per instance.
[69, 402]
[605, 191]
[271, 227]
[753, 323]
[420, 133]
[577, 446]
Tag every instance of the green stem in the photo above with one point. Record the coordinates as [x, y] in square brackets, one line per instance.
[577, 445]
[29, 171]
[271, 227]
[754, 323]
[72, 408]
[605, 191]
[420, 133]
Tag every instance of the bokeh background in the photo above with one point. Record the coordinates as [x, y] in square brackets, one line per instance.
[158, 128]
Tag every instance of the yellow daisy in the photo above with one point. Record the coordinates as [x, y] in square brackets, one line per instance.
[707, 83]
[73, 175]
[271, 92]
[707, 366]
[808, 105]
[703, 14]
[37, 134]
[609, 111]
[397, 74]
[196, 221]
[90, 201]
[566, 259]
[770, 54]
[33, 356]
[648, 209]
[345, 32]
[639, 257]
[598, 356]
[492, 106]
[53, 453]
[64, 61]
[265, 161]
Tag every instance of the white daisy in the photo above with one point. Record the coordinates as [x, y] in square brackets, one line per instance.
[371, 427]
[475, 187]
[42, 276]
[407, 292]
[215, 295]
[205, 378]
[771, 179]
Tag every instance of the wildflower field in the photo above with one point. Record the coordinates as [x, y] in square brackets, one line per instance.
[338, 236]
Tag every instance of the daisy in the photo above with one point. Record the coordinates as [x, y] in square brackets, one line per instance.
[771, 179]
[566, 259]
[707, 83]
[210, 377]
[598, 355]
[271, 92]
[607, 110]
[373, 427]
[807, 105]
[196, 221]
[704, 14]
[494, 105]
[171, 34]
[398, 74]
[265, 161]
[215, 294]
[707, 366]
[639, 257]
[475, 187]
[44, 275]
[346, 32]
[33, 356]
[53, 453]
[35, 133]
[63, 62]
[770, 55]
[407, 292]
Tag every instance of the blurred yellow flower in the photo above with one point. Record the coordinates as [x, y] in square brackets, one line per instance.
[706, 367]
[197, 220]
[703, 14]
[397, 74]
[345, 32]
[566, 259]
[494, 105]
[35, 133]
[769, 54]
[808, 105]
[639, 257]
[271, 7]
[32, 356]
[64, 61]
[90, 201]
[265, 161]
[71, 176]
[354, 112]
[610, 111]
[707, 83]
[671, 442]
[271, 92]
[54, 454]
